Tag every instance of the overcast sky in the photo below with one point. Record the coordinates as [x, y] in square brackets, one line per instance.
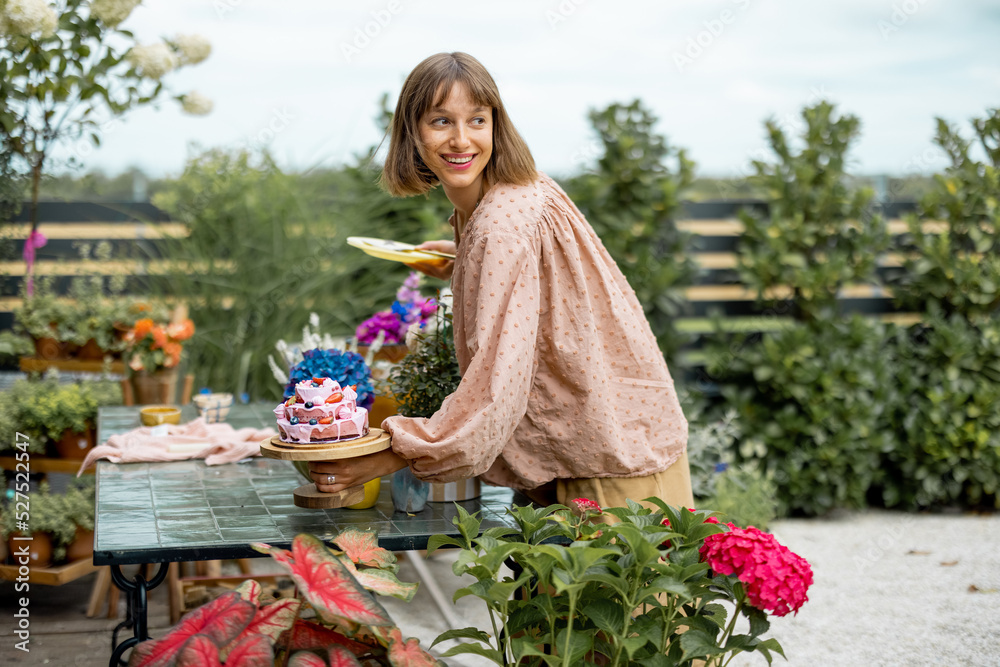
[299, 76]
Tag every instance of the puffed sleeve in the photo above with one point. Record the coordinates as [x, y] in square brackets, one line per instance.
[496, 320]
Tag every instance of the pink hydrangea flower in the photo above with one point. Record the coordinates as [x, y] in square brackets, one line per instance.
[776, 579]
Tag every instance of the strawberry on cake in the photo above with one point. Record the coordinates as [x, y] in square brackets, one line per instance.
[321, 410]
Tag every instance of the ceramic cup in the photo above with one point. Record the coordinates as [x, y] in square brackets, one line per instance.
[154, 415]
[213, 408]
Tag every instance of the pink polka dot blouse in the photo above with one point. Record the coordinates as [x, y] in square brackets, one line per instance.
[561, 374]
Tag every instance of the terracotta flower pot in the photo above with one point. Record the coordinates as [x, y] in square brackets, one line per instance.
[39, 549]
[157, 387]
[75, 446]
[82, 545]
[90, 351]
[48, 348]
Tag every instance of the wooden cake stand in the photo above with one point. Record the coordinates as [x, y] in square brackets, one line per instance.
[307, 495]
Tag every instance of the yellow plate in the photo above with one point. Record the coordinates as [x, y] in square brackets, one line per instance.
[394, 251]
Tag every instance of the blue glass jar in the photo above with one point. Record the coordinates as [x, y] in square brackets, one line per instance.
[409, 494]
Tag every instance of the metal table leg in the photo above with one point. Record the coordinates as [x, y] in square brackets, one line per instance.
[135, 616]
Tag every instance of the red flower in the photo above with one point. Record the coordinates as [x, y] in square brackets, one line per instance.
[776, 579]
[584, 505]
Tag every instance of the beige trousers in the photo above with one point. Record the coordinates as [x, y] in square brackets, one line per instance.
[672, 486]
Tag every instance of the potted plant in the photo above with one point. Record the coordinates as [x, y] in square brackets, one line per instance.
[154, 350]
[49, 411]
[13, 346]
[79, 505]
[97, 316]
[654, 588]
[333, 620]
[49, 322]
[52, 525]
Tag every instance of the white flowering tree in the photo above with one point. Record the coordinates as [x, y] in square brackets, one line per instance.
[67, 68]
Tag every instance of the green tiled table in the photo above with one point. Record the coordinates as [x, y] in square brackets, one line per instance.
[189, 511]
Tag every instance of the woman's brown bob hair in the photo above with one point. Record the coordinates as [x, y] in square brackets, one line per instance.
[427, 86]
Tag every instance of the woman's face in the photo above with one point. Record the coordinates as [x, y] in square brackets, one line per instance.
[457, 140]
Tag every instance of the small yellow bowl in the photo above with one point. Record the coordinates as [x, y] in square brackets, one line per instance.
[160, 414]
[372, 489]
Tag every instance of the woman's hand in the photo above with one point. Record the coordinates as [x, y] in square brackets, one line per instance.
[438, 268]
[333, 476]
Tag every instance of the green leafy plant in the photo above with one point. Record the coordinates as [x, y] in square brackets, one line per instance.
[43, 315]
[948, 452]
[43, 410]
[631, 199]
[347, 625]
[710, 446]
[13, 345]
[820, 234]
[745, 494]
[815, 406]
[56, 514]
[652, 589]
[957, 268]
[429, 373]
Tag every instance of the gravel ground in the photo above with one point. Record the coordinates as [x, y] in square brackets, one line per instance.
[890, 589]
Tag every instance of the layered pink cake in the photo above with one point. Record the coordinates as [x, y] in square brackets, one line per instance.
[321, 410]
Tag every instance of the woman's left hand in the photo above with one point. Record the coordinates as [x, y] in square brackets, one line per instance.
[334, 476]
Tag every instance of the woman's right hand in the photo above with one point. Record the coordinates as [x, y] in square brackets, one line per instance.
[438, 268]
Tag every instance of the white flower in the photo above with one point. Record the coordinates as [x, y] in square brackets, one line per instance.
[153, 60]
[192, 48]
[276, 371]
[112, 12]
[24, 17]
[196, 104]
[314, 320]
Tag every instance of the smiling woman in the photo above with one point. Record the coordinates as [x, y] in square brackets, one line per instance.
[564, 392]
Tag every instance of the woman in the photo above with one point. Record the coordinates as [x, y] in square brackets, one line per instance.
[564, 392]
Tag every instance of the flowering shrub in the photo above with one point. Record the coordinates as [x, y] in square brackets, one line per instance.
[578, 587]
[153, 346]
[347, 368]
[410, 307]
[348, 625]
[69, 70]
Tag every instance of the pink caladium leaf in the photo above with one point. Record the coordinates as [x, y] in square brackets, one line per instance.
[341, 657]
[308, 635]
[249, 590]
[221, 620]
[408, 653]
[306, 659]
[327, 584]
[269, 622]
[199, 651]
[382, 582]
[251, 651]
[362, 547]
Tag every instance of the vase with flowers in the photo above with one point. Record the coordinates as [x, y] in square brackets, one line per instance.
[154, 352]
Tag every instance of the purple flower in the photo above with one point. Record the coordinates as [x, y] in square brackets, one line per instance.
[386, 320]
